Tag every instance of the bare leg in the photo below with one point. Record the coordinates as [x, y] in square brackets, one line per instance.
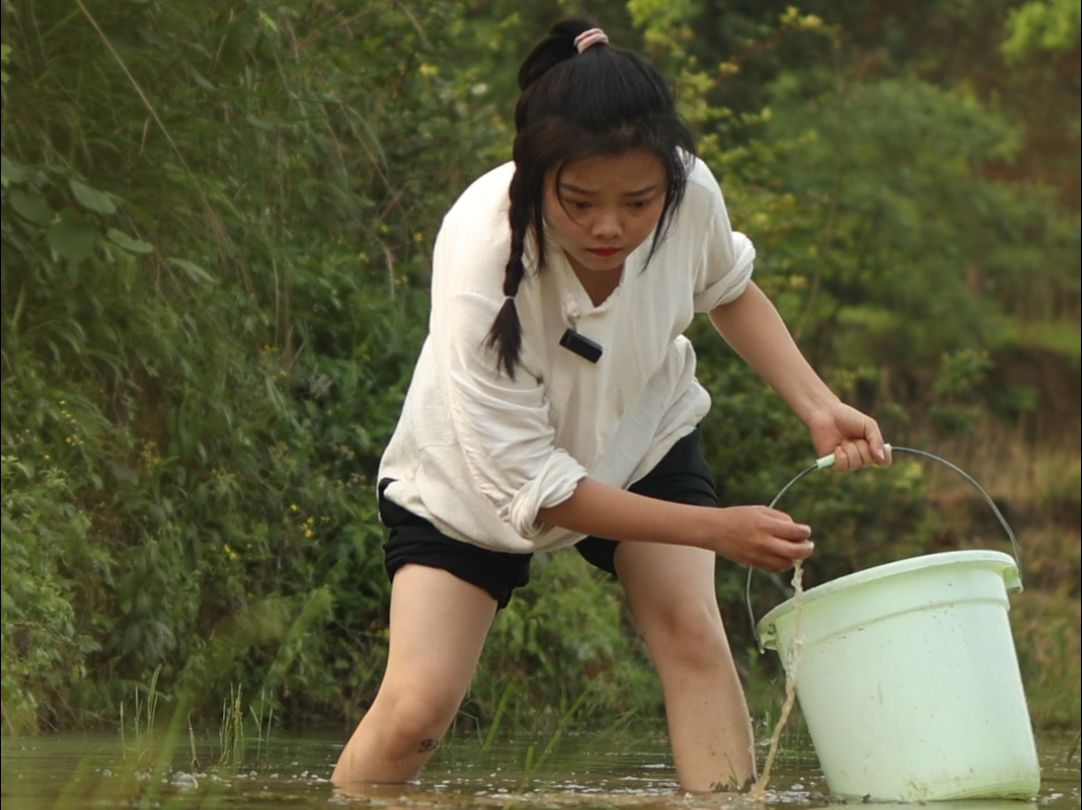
[671, 593]
[438, 627]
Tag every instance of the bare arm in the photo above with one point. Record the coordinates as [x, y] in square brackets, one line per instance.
[752, 326]
[751, 535]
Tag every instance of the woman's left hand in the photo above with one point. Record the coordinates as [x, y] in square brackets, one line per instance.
[853, 437]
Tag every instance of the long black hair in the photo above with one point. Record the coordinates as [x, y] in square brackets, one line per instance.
[603, 101]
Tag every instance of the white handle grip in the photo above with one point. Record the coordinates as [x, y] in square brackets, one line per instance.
[829, 459]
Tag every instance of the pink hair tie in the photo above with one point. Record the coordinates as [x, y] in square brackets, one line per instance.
[589, 38]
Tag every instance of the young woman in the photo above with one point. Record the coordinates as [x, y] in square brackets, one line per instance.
[555, 404]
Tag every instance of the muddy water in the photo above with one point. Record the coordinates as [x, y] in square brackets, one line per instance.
[631, 769]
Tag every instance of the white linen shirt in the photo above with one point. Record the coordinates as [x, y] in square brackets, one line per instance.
[477, 453]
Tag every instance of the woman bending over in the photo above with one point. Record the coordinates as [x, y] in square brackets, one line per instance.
[554, 404]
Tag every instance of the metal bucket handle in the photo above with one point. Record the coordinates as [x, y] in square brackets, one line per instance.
[828, 461]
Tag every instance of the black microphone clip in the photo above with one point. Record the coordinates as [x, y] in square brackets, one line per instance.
[581, 345]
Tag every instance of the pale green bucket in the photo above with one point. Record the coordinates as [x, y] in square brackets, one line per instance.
[907, 677]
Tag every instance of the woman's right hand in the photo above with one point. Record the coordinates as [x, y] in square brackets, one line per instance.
[750, 535]
[757, 536]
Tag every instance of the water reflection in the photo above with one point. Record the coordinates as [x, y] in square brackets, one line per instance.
[970, 804]
[80, 772]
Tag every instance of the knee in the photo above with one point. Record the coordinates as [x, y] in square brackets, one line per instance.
[689, 634]
[415, 720]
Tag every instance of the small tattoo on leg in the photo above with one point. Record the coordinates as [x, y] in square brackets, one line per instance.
[428, 746]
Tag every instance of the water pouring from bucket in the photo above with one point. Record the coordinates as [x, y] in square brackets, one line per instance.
[907, 676]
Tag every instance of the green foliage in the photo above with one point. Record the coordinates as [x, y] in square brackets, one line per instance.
[563, 635]
[211, 307]
[45, 645]
[1042, 26]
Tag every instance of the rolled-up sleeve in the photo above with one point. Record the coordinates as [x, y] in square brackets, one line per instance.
[728, 256]
[501, 423]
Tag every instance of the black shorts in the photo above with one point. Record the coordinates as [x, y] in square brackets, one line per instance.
[681, 476]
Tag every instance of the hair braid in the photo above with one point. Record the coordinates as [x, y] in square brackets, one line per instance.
[505, 334]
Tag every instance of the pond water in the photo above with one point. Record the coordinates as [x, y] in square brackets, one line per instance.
[288, 770]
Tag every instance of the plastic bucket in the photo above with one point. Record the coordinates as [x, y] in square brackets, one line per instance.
[907, 677]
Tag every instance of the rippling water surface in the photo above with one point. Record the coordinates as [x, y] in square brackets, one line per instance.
[632, 769]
